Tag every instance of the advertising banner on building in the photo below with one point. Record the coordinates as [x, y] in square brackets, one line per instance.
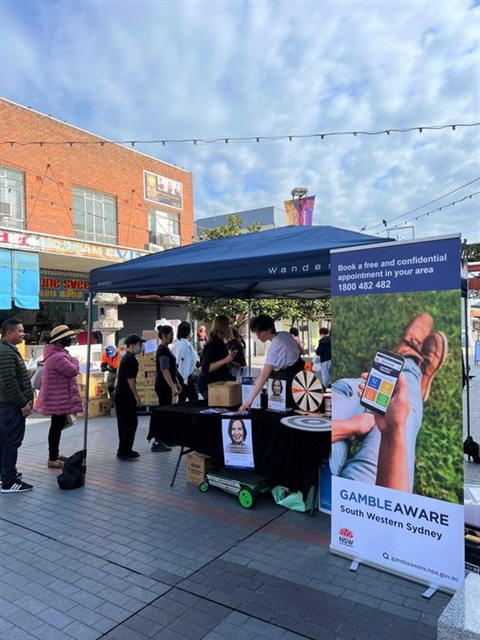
[162, 190]
[397, 418]
[299, 212]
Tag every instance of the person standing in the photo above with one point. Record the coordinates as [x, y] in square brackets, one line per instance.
[283, 358]
[186, 363]
[217, 356]
[324, 351]
[127, 398]
[166, 384]
[59, 395]
[294, 332]
[202, 339]
[16, 398]
[109, 364]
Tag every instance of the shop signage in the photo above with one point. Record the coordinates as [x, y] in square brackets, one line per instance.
[397, 497]
[58, 286]
[162, 190]
[66, 246]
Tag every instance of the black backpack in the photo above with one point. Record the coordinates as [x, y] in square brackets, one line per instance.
[73, 474]
[472, 449]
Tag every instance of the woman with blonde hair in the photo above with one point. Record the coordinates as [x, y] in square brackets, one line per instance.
[216, 356]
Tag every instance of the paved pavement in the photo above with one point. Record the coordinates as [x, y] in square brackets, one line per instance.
[129, 558]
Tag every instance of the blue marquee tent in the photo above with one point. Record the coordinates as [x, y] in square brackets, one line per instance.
[287, 262]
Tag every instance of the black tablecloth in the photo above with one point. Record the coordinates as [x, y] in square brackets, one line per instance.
[283, 455]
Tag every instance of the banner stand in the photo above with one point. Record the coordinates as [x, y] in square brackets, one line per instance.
[355, 564]
[397, 408]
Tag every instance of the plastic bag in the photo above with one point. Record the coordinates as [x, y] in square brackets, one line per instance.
[70, 420]
[294, 501]
[36, 379]
[317, 367]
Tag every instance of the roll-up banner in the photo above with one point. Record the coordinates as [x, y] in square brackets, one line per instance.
[397, 418]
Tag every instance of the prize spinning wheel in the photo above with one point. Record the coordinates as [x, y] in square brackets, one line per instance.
[307, 391]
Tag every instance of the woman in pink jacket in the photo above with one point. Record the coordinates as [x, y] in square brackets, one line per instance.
[59, 394]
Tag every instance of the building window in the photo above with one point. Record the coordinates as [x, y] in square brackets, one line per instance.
[94, 216]
[12, 199]
[164, 228]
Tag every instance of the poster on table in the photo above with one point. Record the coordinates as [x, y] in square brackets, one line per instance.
[237, 443]
[277, 395]
[396, 460]
[248, 383]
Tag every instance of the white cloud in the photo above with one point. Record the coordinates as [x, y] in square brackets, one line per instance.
[183, 69]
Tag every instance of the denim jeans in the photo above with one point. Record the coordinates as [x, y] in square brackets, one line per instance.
[12, 431]
[346, 404]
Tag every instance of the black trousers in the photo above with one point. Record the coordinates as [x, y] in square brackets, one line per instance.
[127, 422]
[54, 434]
[189, 390]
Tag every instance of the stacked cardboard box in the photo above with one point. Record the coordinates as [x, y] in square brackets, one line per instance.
[197, 466]
[146, 379]
[99, 403]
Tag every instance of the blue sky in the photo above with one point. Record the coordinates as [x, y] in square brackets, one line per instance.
[150, 70]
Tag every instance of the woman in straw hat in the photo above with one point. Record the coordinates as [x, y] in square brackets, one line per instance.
[59, 395]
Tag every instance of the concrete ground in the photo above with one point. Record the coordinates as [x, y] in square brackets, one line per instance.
[128, 558]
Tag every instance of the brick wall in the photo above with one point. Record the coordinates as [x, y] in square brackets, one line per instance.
[51, 172]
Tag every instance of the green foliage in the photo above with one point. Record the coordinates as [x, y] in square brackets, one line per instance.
[471, 252]
[361, 324]
[232, 228]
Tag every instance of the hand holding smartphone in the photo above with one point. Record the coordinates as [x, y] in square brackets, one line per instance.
[381, 381]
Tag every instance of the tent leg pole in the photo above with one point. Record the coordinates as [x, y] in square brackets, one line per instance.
[466, 309]
[87, 390]
[249, 314]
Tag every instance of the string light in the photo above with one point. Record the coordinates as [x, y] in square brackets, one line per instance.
[427, 213]
[289, 137]
[422, 206]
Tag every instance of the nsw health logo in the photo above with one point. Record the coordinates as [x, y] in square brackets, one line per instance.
[345, 537]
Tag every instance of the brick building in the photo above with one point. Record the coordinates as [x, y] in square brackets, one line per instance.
[71, 201]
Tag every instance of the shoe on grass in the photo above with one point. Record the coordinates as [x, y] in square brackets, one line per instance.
[434, 351]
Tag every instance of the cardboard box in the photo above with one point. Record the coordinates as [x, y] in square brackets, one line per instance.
[197, 466]
[96, 390]
[224, 394]
[94, 376]
[97, 408]
[149, 360]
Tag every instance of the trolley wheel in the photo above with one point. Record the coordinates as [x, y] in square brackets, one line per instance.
[204, 487]
[246, 498]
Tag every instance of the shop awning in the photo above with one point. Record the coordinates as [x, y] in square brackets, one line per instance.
[19, 278]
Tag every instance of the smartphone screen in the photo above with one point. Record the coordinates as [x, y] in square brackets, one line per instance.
[382, 380]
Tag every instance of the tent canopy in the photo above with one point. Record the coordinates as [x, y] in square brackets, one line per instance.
[286, 262]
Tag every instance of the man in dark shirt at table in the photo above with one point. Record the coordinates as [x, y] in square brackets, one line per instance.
[127, 398]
